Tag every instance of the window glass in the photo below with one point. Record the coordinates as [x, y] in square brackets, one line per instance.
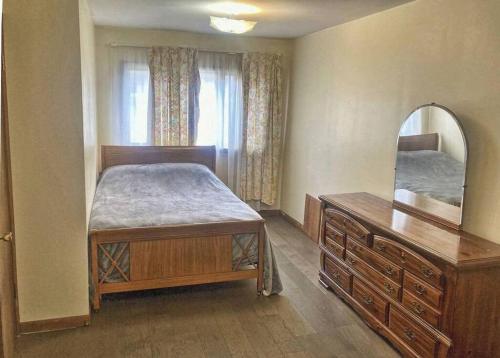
[135, 102]
[207, 123]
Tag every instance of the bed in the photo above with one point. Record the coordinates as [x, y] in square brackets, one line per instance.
[161, 218]
[424, 170]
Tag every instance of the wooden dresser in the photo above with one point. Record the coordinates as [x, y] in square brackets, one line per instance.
[431, 291]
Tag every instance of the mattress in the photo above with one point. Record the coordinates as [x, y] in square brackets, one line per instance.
[164, 194]
[431, 173]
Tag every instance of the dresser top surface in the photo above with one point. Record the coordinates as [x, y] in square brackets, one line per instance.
[457, 248]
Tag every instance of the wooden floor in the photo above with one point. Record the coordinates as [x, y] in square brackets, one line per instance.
[224, 320]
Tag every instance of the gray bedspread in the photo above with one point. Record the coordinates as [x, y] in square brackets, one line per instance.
[149, 195]
[431, 173]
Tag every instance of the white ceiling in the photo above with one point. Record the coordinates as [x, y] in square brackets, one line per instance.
[278, 18]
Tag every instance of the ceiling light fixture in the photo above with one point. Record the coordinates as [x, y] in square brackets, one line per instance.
[233, 26]
[233, 8]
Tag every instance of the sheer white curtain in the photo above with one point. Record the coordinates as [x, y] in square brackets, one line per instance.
[131, 99]
[220, 121]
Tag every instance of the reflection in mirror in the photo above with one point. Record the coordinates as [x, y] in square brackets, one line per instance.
[431, 161]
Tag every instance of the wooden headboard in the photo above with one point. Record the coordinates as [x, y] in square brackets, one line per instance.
[418, 142]
[119, 155]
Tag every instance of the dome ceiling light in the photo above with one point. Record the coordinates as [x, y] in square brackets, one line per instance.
[229, 24]
[232, 26]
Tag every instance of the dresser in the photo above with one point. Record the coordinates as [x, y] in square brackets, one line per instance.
[431, 291]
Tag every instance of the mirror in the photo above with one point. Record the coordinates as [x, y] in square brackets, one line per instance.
[430, 165]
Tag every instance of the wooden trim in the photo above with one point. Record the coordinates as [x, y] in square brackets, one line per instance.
[270, 213]
[119, 155]
[54, 324]
[5, 122]
[176, 231]
[177, 281]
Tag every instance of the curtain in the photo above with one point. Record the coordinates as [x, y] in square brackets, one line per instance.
[261, 127]
[130, 101]
[176, 83]
[221, 111]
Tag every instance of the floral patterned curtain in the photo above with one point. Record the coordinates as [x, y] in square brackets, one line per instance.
[262, 127]
[176, 86]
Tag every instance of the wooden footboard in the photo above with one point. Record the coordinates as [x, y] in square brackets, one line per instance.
[173, 256]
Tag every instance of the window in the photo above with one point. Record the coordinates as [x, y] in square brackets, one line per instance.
[216, 100]
[208, 111]
[135, 103]
[413, 125]
[220, 99]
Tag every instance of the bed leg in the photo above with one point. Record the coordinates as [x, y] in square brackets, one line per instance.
[260, 275]
[96, 302]
[96, 296]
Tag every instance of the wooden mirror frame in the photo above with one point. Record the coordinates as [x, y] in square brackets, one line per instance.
[432, 209]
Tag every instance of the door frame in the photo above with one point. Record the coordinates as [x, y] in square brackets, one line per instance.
[4, 136]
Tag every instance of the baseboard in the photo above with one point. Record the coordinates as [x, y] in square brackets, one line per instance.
[292, 221]
[54, 324]
[277, 212]
[270, 213]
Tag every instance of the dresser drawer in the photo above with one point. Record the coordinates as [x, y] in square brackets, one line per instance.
[421, 309]
[387, 286]
[409, 260]
[379, 263]
[348, 226]
[370, 300]
[334, 248]
[413, 334]
[422, 290]
[338, 275]
[334, 234]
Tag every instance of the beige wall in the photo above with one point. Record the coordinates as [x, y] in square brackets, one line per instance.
[129, 36]
[42, 41]
[87, 48]
[354, 84]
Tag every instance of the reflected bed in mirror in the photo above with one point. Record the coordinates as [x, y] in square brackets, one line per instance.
[430, 165]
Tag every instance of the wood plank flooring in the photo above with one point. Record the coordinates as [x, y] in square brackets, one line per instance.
[224, 320]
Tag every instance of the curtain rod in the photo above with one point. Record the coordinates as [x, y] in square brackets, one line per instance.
[115, 44]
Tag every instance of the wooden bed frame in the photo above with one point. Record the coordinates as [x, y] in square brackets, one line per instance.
[175, 255]
[418, 142]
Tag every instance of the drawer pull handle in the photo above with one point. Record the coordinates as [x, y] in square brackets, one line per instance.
[403, 257]
[380, 247]
[357, 248]
[388, 288]
[351, 261]
[388, 271]
[427, 272]
[420, 290]
[335, 276]
[368, 300]
[409, 334]
[417, 308]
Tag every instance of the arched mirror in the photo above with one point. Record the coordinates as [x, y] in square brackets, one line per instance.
[431, 164]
